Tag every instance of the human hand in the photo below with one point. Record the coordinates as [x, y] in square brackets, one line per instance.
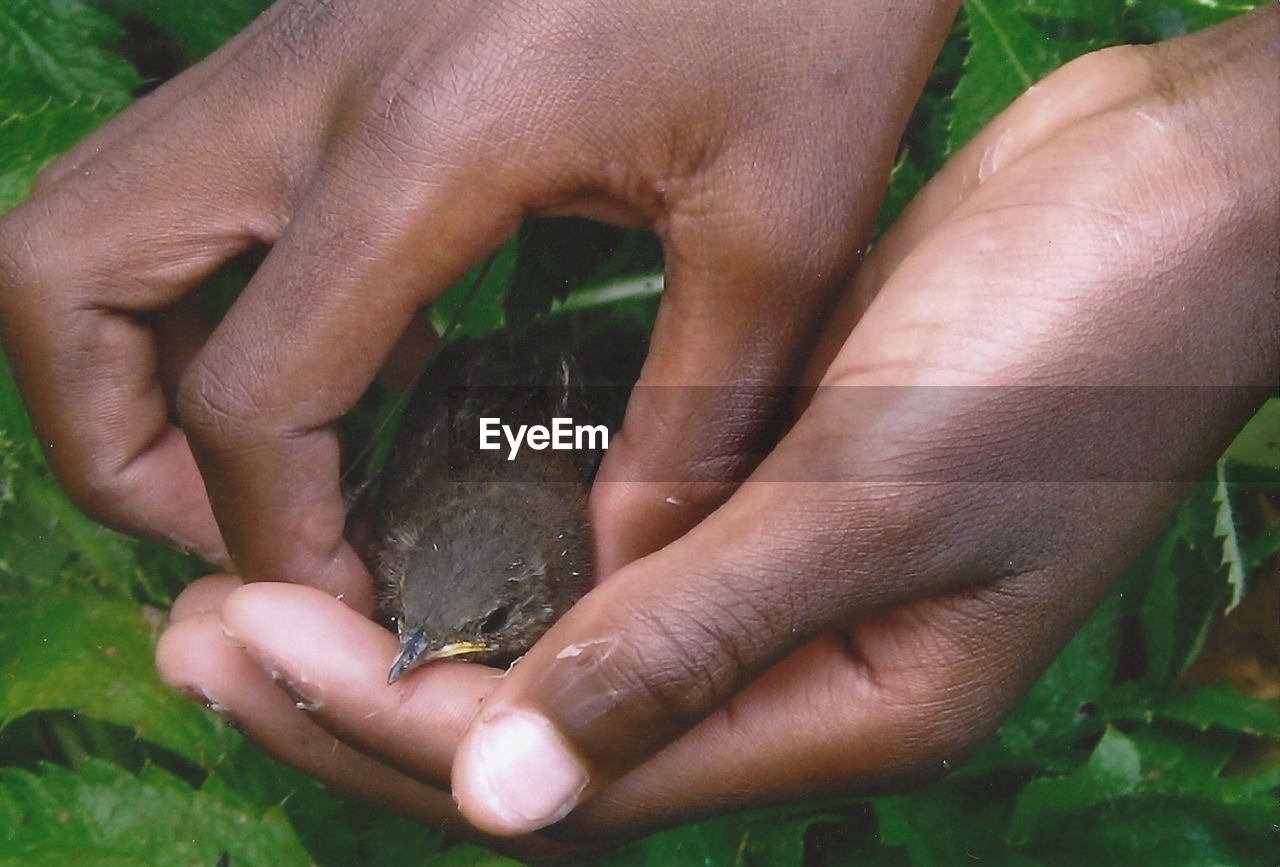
[939, 519]
[384, 148]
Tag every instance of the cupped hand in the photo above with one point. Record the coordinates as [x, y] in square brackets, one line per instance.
[1066, 326]
[383, 149]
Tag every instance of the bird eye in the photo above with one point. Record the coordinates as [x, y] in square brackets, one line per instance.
[496, 619]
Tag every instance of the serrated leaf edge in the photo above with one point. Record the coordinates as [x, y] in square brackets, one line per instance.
[1224, 528]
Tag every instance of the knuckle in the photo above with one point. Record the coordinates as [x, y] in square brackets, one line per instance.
[36, 274]
[98, 489]
[20, 264]
[416, 114]
[98, 483]
[671, 669]
[214, 409]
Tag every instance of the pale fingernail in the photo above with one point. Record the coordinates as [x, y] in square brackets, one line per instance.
[522, 776]
[306, 695]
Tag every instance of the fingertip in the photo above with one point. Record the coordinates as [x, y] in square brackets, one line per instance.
[204, 595]
[515, 774]
[257, 609]
[192, 656]
[169, 655]
[297, 633]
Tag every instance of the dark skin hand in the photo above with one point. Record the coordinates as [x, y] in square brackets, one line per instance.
[385, 147]
[1117, 226]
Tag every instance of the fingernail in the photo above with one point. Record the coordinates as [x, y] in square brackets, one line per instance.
[523, 776]
[199, 696]
[305, 695]
[191, 692]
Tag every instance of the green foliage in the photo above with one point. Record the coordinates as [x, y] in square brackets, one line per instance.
[1106, 759]
[1224, 526]
[103, 815]
[1007, 54]
[91, 654]
[59, 82]
[760, 839]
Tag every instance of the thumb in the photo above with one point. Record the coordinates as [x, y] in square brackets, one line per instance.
[671, 637]
[632, 666]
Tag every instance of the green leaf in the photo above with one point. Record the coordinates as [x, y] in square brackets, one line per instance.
[761, 839]
[93, 655]
[1160, 794]
[1223, 706]
[1113, 770]
[1055, 714]
[1261, 548]
[45, 541]
[1185, 590]
[1165, 19]
[1158, 829]
[105, 816]
[473, 306]
[905, 181]
[1174, 762]
[1015, 43]
[935, 824]
[58, 80]
[463, 856]
[1254, 456]
[1159, 615]
[15, 425]
[1224, 527]
[1006, 56]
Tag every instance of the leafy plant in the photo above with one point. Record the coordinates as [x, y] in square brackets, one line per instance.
[1119, 749]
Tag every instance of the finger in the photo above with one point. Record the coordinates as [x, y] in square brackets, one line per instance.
[203, 596]
[899, 698]
[745, 287]
[335, 663]
[179, 333]
[303, 342]
[194, 657]
[753, 258]
[409, 354]
[668, 638]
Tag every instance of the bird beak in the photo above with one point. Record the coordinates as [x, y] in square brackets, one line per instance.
[413, 653]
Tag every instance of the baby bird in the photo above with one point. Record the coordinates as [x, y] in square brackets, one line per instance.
[475, 555]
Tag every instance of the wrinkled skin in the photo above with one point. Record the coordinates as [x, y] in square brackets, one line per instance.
[1118, 225]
